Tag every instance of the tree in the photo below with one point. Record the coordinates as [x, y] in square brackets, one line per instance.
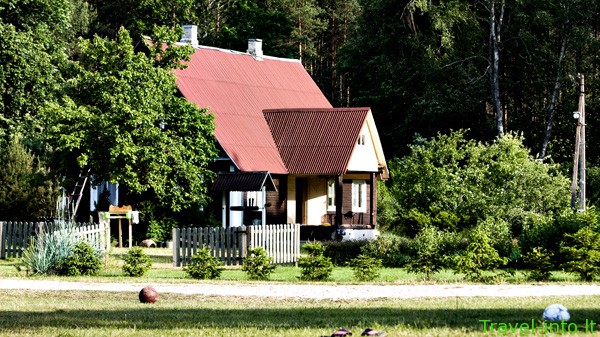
[122, 118]
[27, 191]
[454, 183]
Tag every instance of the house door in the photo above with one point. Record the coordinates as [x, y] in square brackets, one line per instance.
[301, 196]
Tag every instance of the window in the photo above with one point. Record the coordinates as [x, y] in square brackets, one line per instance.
[359, 196]
[361, 140]
[331, 195]
[254, 199]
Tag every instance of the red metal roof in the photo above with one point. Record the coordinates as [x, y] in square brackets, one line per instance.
[237, 88]
[316, 141]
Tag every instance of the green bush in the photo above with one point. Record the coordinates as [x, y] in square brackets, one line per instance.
[315, 266]
[428, 257]
[84, 260]
[478, 257]
[539, 260]
[365, 268]
[257, 265]
[161, 229]
[583, 253]
[393, 250]
[546, 231]
[342, 252]
[203, 266]
[137, 262]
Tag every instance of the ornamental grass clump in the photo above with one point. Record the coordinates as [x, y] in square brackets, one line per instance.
[258, 265]
[52, 245]
[203, 266]
[137, 262]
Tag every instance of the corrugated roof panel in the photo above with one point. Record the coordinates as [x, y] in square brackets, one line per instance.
[316, 141]
[244, 181]
[237, 88]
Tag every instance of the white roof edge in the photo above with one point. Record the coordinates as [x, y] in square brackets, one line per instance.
[235, 52]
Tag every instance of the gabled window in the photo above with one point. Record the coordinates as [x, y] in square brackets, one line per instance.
[361, 140]
[331, 195]
[359, 196]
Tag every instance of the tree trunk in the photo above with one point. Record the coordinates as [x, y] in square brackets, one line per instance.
[552, 106]
[495, 31]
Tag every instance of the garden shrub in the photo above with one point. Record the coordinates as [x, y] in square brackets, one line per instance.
[365, 268]
[258, 265]
[582, 250]
[54, 244]
[137, 262]
[315, 266]
[342, 252]
[391, 249]
[427, 248]
[161, 230]
[500, 234]
[478, 257]
[83, 260]
[203, 266]
[547, 231]
[539, 260]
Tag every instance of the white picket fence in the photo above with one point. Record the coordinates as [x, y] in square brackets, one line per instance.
[230, 245]
[16, 236]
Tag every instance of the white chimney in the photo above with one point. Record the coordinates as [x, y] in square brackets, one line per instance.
[190, 35]
[255, 48]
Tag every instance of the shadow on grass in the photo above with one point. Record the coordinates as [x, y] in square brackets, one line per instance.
[158, 317]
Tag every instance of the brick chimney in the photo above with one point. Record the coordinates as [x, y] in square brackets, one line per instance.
[255, 48]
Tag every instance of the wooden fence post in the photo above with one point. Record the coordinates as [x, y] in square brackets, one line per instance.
[2, 230]
[176, 244]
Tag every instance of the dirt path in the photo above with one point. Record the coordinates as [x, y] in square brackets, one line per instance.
[315, 291]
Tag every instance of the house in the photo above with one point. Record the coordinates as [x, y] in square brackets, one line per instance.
[286, 155]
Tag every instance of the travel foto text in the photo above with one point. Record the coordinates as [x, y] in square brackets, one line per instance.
[533, 327]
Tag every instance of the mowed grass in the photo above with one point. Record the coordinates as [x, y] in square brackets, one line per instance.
[83, 313]
[163, 271]
[72, 313]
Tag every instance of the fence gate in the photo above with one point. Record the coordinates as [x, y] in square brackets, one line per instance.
[230, 245]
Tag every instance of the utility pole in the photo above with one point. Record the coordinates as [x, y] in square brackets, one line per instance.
[579, 158]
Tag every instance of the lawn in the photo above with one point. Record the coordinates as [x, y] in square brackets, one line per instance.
[70, 313]
[88, 313]
[164, 271]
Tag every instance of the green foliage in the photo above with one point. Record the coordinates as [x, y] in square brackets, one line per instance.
[84, 260]
[546, 231]
[315, 266]
[391, 249]
[122, 117]
[478, 257]
[27, 190]
[365, 268]
[539, 260]
[453, 183]
[583, 252]
[137, 262]
[53, 245]
[161, 229]
[258, 265]
[428, 257]
[204, 266]
[341, 252]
